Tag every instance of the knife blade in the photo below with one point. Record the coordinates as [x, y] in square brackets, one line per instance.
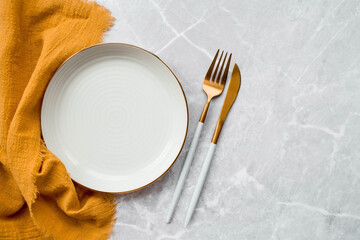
[233, 89]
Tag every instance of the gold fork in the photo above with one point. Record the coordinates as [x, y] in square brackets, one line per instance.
[213, 86]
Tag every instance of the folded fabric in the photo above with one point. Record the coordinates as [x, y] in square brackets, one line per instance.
[38, 199]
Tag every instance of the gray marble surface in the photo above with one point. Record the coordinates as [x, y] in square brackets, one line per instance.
[287, 164]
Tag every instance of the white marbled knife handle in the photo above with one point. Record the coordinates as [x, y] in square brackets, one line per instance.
[184, 171]
[200, 183]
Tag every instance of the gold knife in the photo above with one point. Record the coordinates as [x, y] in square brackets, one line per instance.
[231, 95]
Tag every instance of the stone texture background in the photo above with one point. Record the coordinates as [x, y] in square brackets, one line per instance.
[287, 164]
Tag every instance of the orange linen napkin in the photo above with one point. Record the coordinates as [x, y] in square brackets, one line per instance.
[38, 200]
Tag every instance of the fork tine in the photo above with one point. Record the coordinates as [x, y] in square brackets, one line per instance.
[224, 77]
[221, 70]
[217, 66]
[208, 74]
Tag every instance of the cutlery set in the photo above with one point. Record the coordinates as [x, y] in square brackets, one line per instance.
[213, 86]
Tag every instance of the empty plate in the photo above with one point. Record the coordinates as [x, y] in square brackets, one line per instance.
[116, 116]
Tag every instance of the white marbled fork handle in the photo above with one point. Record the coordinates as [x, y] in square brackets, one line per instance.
[184, 172]
[200, 183]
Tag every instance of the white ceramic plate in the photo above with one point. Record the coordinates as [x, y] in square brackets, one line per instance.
[116, 116]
